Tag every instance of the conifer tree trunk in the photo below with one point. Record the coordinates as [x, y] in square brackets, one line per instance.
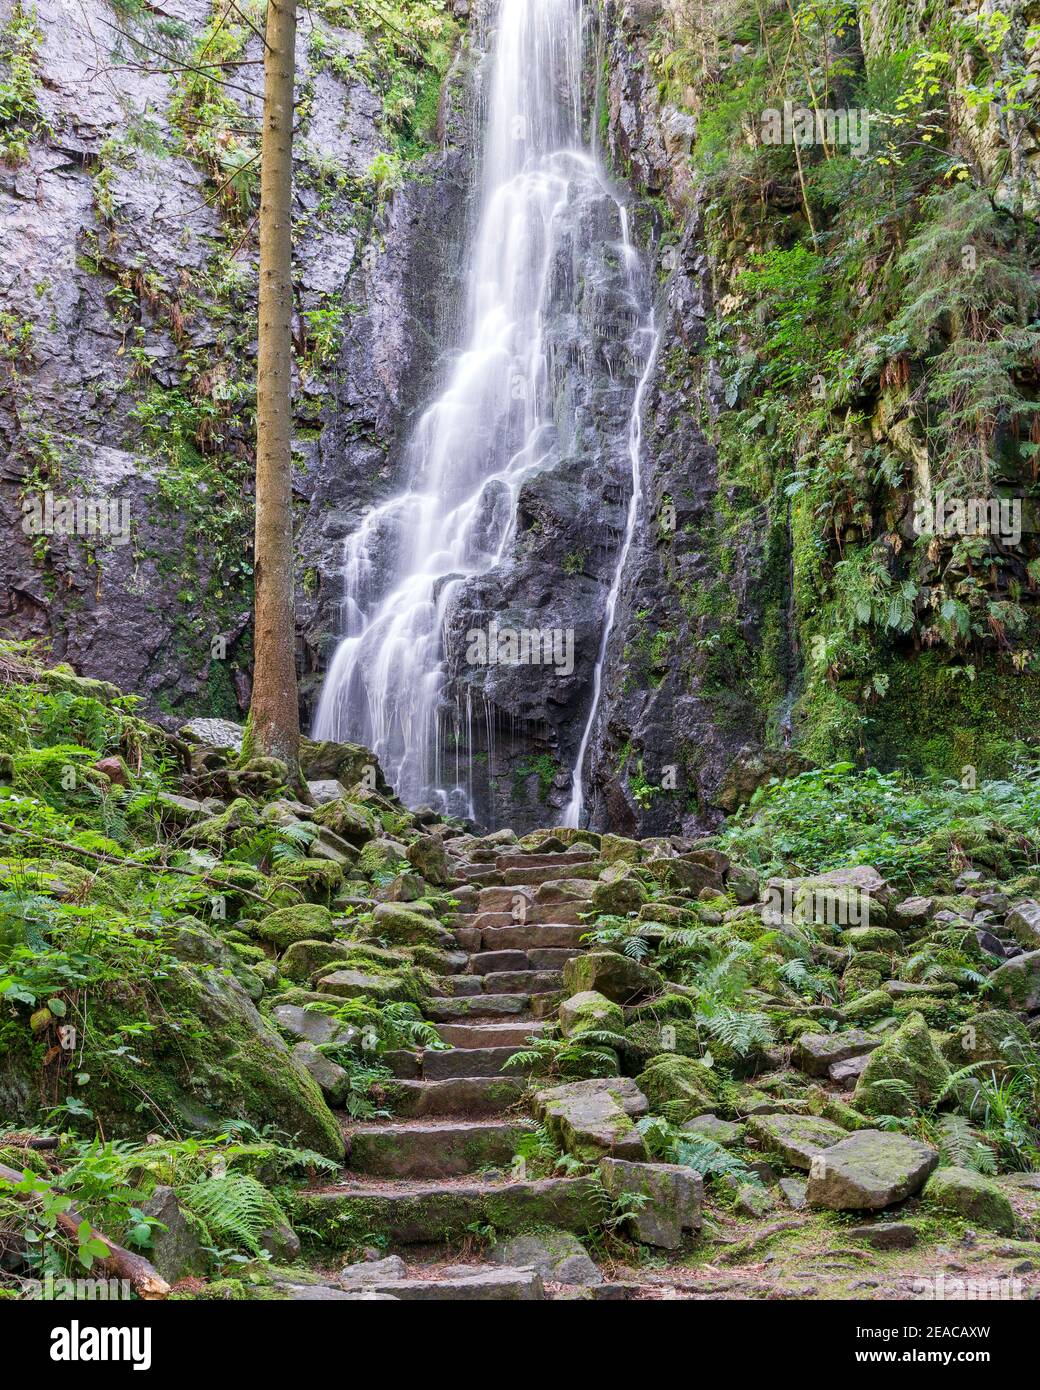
[275, 717]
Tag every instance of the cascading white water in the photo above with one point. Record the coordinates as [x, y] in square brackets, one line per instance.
[576, 806]
[493, 427]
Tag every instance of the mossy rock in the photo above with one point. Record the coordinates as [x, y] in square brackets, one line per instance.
[218, 831]
[354, 822]
[317, 879]
[971, 1195]
[304, 922]
[615, 849]
[874, 1004]
[855, 982]
[679, 1087]
[619, 896]
[213, 1058]
[903, 1076]
[996, 1037]
[610, 973]
[382, 859]
[406, 926]
[303, 958]
[588, 1011]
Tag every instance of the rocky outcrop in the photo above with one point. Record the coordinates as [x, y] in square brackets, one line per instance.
[129, 300]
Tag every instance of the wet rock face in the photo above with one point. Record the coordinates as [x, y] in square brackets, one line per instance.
[663, 746]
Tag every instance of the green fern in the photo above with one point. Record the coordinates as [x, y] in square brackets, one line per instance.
[234, 1210]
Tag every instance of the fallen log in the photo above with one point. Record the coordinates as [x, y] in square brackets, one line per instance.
[143, 1277]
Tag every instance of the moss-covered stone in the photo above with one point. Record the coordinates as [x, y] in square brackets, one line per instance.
[995, 1037]
[611, 974]
[589, 1011]
[904, 1075]
[969, 1194]
[354, 822]
[405, 926]
[619, 896]
[305, 922]
[679, 1087]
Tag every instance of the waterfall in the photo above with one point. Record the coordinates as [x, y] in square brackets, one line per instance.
[572, 816]
[494, 425]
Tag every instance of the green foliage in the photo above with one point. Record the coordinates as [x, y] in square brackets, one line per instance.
[836, 816]
[21, 117]
[234, 1210]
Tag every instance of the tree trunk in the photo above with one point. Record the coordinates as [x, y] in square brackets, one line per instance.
[274, 712]
[144, 1278]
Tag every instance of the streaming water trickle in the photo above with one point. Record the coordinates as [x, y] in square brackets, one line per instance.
[494, 426]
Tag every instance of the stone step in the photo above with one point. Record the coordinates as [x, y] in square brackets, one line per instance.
[567, 914]
[455, 1095]
[537, 876]
[429, 1213]
[530, 981]
[547, 1005]
[466, 1061]
[433, 1149]
[488, 962]
[537, 958]
[464, 1035]
[534, 936]
[544, 861]
[464, 1284]
[457, 986]
[552, 958]
[480, 874]
[478, 1005]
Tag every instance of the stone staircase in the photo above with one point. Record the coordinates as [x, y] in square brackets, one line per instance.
[441, 1169]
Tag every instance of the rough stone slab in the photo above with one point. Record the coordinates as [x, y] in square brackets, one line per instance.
[457, 986]
[1016, 983]
[498, 899]
[815, 1053]
[593, 1117]
[675, 1195]
[463, 1284]
[434, 1149]
[886, 1235]
[712, 1127]
[494, 962]
[369, 1272]
[533, 936]
[467, 1035]
[310, 1027]
[558, 1256]
[476, 1006]
[430, 1213]
[846, 1074]
[796, 1138]
[465, 1061]
[548, 957]
[868, 1170]
[543, 861]
[529, 981]
[1023, 923]
[456, 1095]
[326, 1293]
